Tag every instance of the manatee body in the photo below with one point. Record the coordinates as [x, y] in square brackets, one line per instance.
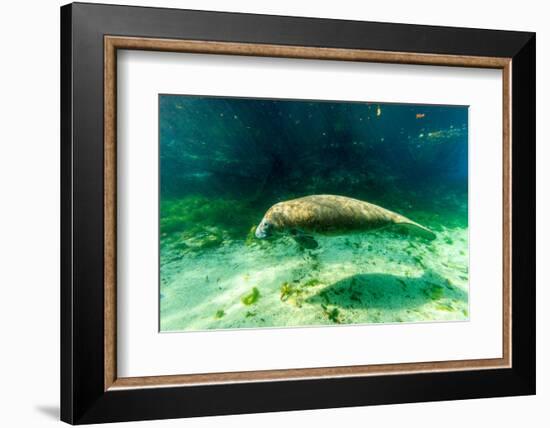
[331, 214]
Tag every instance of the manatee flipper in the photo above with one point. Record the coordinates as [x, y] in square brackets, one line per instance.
[305, 241]
[415, 229]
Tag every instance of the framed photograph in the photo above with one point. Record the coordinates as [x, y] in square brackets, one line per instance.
[265, 213]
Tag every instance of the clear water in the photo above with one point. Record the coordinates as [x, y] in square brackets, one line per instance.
[225, 161]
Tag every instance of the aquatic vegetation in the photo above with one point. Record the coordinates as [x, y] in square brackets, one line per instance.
[286, 291]
[312, 282]
[251, 298]
[332, 314]
[434, 291]
[251, 237]
[209, 241]
[219, 314]
[195, 214]
[291, 294]
[324, 297]
[199, 242]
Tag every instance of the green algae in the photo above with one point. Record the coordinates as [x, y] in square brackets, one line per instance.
[287, 290]
[291, 294]
[434, 291]
[324, 297]
[251, 237]
[333, 314]
[193, 214]
[251, 298]
[219, 314]
[312, 282]
[210, 241]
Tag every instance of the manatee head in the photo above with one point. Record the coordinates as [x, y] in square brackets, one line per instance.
[274, 220]
[264, 229]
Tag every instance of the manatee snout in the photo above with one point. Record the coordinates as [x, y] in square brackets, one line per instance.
[263, 230]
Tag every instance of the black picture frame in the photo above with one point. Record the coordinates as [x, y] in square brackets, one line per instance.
[83, 397]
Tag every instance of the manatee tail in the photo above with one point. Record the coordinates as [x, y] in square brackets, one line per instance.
[416, 229]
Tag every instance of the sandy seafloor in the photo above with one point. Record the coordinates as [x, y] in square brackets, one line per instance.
[372, 277]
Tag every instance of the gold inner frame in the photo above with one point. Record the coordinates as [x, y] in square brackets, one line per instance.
[113, 43]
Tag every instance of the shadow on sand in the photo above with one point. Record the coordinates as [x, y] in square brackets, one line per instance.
[388, 292]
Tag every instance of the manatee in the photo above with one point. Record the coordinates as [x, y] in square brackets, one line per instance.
[331, 215]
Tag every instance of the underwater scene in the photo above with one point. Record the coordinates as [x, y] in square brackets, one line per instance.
[292, 213]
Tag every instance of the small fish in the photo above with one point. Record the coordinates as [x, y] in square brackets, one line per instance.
[420, 115]
[378, 111]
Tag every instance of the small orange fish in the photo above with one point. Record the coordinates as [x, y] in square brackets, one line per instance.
[420, 115]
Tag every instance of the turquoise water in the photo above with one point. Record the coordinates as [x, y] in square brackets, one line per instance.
[226, 161]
